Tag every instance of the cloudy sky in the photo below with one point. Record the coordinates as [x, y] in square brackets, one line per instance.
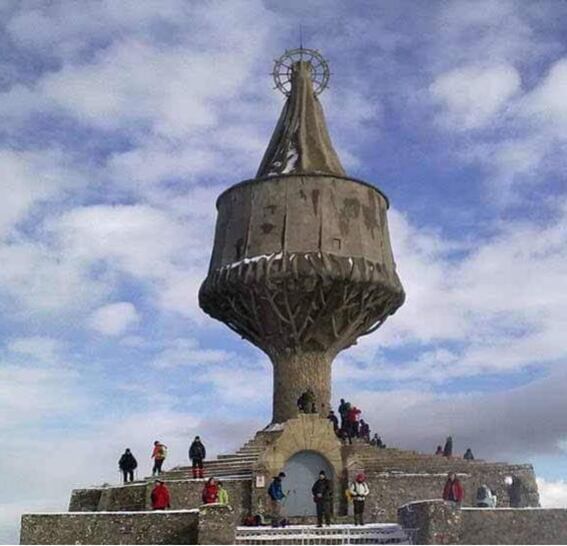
[120, 123]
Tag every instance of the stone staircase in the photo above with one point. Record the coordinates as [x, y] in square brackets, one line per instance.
[236, 465]
[375, 460]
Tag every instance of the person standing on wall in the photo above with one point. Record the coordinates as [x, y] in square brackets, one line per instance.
[448, 449]
[197, 454]
[322, 491]
[453, 490]
[276, 494]
[159, 454]
[127, 465]
[359, 490]
[160, 496]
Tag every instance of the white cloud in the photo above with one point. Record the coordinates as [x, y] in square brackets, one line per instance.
[29, 178]
[187, 353]
[114, 319]
[473, 96]
[552, 494]
[40, 348]
[547, 100]
[29, 394]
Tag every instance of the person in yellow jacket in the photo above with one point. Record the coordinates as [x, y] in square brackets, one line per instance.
[222, 494]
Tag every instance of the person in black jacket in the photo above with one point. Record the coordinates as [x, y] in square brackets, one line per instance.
[197, 454]
[322, 496]
[127, 464]
[333, 418]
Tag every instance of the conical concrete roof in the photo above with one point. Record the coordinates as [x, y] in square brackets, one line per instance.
[301, 142]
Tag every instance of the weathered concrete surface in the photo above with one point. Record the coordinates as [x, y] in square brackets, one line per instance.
[301, 267]
[159, 527]
[438, 522]
[435, 522]
[217, 524]
[514, 526]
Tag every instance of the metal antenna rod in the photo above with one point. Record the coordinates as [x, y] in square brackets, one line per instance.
[301, 41]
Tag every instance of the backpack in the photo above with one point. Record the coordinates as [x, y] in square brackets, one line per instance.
[163, 451]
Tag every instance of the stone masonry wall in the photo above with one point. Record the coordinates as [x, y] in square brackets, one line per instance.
[161, 527]
[185, 494]
[513, 526]
[390, 490]
[438, 522]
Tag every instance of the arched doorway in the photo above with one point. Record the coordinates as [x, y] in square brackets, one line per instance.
[302, 469]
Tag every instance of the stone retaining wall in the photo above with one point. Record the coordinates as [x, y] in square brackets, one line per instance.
[438, 522]
[211, 524]
[160, 527]
[185, 495]
[389, 490]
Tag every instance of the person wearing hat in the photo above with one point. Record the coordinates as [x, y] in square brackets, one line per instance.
[127, 465]
[160, 496]
[197, 454]
[359, 490]
[322, 491]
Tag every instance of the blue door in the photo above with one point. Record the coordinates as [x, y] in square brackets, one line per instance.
[302, 470]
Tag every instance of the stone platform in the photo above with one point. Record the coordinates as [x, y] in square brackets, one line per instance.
[395, 477]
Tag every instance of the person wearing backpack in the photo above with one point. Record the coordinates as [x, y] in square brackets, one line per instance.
[485, 498]
[359, 490]
[276, 494]
[127, 465]
[159, 454]
[197, 454]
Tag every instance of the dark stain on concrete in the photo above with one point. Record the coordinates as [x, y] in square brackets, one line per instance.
[315, 201]
[267, 228]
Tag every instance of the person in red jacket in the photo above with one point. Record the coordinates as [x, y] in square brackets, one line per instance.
[453, 491]
[210, 492]
[160, 496]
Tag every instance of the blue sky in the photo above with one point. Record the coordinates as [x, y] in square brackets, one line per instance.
[120, 124]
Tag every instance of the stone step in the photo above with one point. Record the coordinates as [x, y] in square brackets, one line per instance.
[236, 457]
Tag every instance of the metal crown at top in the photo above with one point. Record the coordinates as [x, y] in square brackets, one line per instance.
[283, 68]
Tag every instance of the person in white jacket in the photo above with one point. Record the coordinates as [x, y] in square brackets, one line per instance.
[359, 490]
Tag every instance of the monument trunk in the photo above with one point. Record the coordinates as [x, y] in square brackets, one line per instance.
[294, 373]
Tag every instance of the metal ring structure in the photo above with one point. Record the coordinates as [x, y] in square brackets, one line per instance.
[283, 68]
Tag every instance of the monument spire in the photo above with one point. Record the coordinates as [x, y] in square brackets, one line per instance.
[300, 142]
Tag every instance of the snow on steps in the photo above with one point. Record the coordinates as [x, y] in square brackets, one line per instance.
[377, 533]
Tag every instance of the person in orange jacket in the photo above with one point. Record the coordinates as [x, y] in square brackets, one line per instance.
[159, 454]
[160, 496]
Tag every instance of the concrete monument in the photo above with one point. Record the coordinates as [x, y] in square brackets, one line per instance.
[302, 263]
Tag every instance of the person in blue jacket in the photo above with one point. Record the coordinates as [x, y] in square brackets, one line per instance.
[276, 494]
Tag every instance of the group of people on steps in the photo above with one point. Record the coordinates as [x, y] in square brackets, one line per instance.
[197, 454]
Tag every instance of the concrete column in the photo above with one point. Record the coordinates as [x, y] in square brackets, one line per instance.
[293, 374]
